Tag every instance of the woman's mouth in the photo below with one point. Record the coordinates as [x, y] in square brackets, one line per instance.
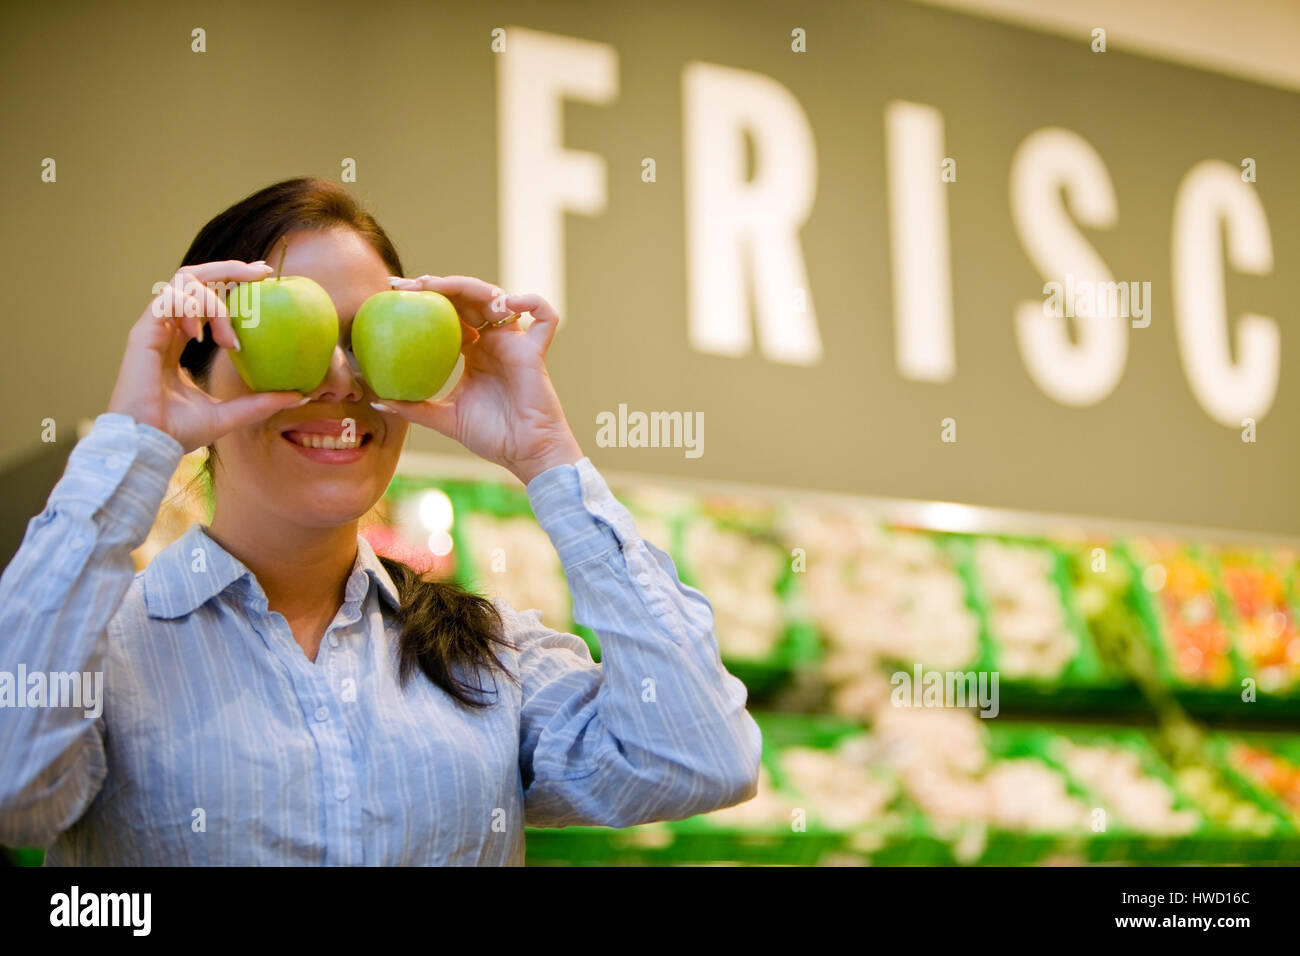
[329, 441]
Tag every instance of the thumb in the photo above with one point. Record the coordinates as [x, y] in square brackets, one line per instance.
[247, 409]
[440, 416]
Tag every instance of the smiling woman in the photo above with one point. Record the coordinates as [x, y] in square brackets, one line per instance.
[262, 702]
[325, 235]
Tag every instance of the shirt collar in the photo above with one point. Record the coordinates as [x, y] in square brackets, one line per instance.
[193, 569]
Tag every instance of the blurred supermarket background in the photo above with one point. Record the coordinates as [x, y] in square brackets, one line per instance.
[900, 474]
[1119, 733]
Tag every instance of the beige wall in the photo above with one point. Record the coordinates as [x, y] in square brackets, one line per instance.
[1251, 39]
[152, 139]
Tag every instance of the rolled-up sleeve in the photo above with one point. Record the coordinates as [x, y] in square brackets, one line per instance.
[57, 596]
[658, 730]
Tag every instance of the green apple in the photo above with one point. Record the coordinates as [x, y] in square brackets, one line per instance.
[406, 343]
[287, 330]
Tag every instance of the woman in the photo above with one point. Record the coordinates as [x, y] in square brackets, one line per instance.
[273, 692]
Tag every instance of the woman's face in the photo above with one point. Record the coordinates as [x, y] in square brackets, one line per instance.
[270, 466]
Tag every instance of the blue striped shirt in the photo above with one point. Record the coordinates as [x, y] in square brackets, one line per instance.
[220, 742]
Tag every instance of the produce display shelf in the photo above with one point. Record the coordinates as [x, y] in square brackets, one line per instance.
[902, 835]
[1122, 632]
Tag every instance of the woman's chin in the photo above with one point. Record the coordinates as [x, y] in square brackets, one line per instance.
[329, 508]
[326, 494]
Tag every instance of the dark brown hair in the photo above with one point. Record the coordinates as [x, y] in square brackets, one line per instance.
[445, 628]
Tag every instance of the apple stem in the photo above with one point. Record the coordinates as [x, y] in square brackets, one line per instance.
[284, 252]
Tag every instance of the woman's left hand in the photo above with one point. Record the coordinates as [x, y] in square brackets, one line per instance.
[504, 408]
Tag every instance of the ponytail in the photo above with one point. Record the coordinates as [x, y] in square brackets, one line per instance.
[445, 627]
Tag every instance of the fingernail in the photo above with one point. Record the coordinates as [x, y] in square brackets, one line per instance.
[380, 406]
[259, 262]
[302, 403]
[267, 266]
[237, 345]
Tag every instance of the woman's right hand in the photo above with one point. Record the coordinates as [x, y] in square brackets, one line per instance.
[152, 387]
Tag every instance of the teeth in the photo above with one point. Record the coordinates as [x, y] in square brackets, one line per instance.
[326, 441]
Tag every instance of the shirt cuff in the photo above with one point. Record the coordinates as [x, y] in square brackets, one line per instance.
[579, 513]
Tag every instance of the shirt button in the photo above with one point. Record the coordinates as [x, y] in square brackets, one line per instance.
[341, 792]
[323, 713]
[78, 541]
[643, 579]
[334, 640]
[114, 462]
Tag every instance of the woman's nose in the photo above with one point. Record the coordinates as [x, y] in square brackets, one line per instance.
[342, 383]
